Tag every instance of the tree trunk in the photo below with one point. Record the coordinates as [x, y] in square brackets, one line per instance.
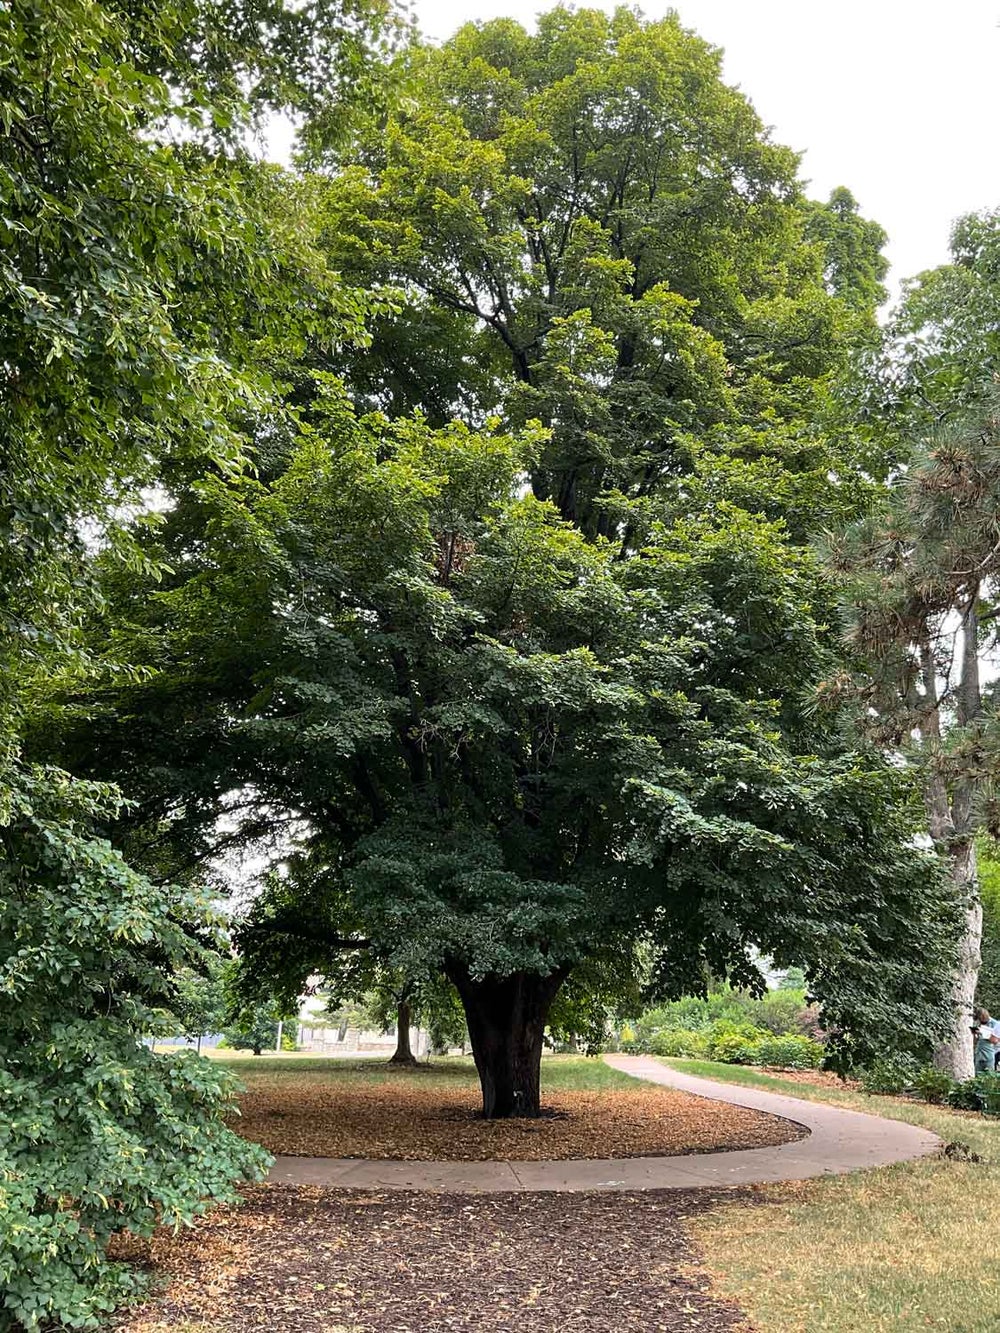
[506, 1017]
[954, 1055]
[402, 1054]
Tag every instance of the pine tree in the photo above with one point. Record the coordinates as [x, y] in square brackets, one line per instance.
[925, 593]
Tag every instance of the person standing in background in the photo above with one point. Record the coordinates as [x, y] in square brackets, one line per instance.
[987, 1042]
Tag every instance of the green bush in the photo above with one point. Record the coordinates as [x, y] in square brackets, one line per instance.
[98, 1134]
[789, 1052]
[981, 1093]
[728, 1042]
[779, 1012]
[933, 1085]
[679, 1042]
[730, 1048]
[891, 1074]
[729, 1026]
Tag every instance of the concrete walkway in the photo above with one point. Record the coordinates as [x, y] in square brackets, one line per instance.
[839, 1141]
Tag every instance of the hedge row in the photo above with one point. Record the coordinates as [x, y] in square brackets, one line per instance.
[732, 1044]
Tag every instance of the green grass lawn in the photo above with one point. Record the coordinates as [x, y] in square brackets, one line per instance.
[908, 1247]
[559, 1072]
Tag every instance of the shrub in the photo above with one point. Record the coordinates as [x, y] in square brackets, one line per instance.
[728, 1041]
[679, 1042]
[981, 1093]
[97, 1134]
[933, 1085]
[891, 1074]
[778, 1011]
[789, 1052]
[731, 1049]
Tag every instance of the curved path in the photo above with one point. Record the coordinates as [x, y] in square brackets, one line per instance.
[838, 1141]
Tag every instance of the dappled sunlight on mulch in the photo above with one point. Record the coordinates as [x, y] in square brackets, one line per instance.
[412, 1121]
[325, 1261]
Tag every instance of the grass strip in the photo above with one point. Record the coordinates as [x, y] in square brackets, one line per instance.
[560, 1073]
[907, 1247]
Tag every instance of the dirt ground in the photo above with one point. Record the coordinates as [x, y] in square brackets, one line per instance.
[334, 1118]
[333, 1261]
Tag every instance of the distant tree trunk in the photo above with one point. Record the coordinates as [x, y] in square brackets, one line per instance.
[506, 1017]
[402, 1054]
[952, 822]
[954, 1054]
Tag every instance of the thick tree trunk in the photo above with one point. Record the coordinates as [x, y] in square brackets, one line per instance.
[402, 1054]
[506, 1017]
[954, 1055]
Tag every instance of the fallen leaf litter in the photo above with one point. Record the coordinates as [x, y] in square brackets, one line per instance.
[328, 1117]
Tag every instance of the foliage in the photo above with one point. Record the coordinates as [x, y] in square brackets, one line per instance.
[981, 1093]
[788, 1052]
[794, 979]
[504, 733]
[431, 1001]
[614, 246]
[200, 1004]
[730, 1043]
[778, 1011]
[255, 1028]
[526, 749]
[988, 984]
[673, 1042]
[141, 267]
[890, 1073]
[933, 1085]
[97, 1134]
[145, 266]
[601, 989]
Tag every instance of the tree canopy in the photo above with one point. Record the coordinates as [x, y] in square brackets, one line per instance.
[610, 243]
[141, 249]
[507, 633]
[922, 572]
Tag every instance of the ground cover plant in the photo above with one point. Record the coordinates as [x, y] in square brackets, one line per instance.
[891, 1250]
[330, 1108]
[323, 1261]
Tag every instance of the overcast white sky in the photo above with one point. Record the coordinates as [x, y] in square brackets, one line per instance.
[896, 99]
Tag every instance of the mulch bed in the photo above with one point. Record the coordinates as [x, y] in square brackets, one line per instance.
[324, 1117]
[333, 1261]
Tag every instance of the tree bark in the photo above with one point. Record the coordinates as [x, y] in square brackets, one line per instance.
[954, 1054]
[953, 826]
[506, 1017]
[402, 1054]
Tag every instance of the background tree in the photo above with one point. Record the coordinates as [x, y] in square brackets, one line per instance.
[922, 604]
[923, 567]
[590, 229]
